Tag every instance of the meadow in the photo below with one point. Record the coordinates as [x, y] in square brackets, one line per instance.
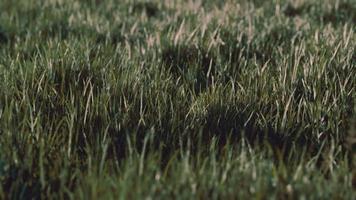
[177, 99]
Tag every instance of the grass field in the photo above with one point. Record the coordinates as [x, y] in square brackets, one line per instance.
[182, 99]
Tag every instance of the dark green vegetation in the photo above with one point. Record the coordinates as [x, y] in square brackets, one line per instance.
[173, 99]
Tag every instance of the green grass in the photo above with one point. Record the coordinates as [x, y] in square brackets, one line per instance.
[234, 99]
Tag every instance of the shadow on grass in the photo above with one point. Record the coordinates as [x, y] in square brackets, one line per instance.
[22, 180]
[339, 14]
[237, 48]
[343, 13]
[290, 10]
[66, 78]
[261, 48]
[3, 36]
[231, 123]
[190, 63]
[149, 8]
[54, 29]
[226, 124]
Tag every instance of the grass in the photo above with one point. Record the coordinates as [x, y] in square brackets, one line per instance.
[104, 99]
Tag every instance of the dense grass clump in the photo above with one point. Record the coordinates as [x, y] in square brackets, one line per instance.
[177, 99]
